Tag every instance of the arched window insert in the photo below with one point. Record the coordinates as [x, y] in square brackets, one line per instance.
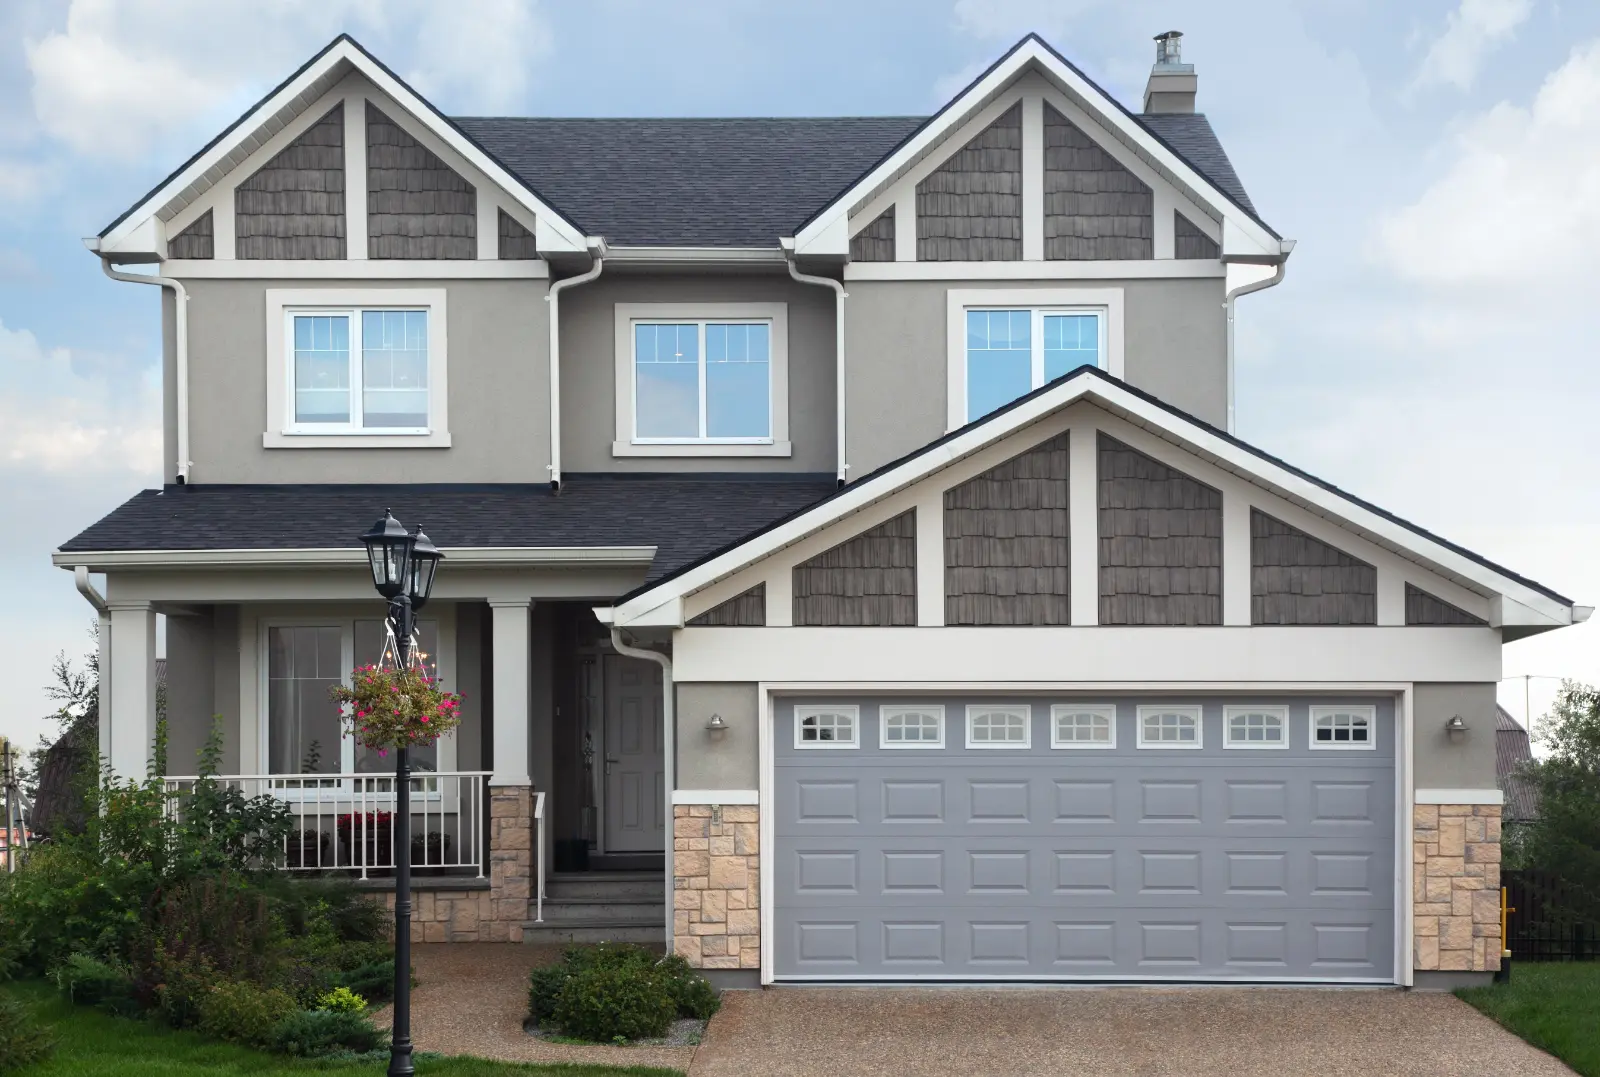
[911, 727]
[1256, 727]
[826, 727]
[1170, 727]
[1335, 728]
[990, 726]
[1077, 725]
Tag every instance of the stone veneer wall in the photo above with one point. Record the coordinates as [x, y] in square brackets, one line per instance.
[716, 918]
[1455, 855]
[498, 913]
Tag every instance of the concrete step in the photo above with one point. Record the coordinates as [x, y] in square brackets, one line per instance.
[606, 886]
[592, 931]
[609, 911]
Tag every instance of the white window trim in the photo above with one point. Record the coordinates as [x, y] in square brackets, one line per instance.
[1194, 711]
[1280, 713]
[1366, 710]
[1060, 710]
[959, 300]
[888, 710]
[1025, 710]
[283, 302]
[802, 712]
[777, 314]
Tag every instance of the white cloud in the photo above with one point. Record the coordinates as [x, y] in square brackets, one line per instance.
[1519, 200]
[1471, 32]
[21, 181]
[58, 417]
[478, 56]
[1010, 19]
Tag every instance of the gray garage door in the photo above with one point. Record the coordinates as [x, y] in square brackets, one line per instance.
[967, 838]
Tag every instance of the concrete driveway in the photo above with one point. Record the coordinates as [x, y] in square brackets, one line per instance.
[832, 1032]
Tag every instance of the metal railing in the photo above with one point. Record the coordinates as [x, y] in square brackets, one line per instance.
[538, 857]
[345, 822]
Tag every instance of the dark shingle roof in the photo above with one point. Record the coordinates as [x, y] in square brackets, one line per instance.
[1512, 752]
[733, 182]
[682, 516]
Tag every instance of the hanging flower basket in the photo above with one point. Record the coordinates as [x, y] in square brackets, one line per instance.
[387, 708]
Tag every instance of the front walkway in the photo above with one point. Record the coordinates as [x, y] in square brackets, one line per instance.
[1196, 1032]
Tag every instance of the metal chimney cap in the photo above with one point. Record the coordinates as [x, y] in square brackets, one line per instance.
[1169, 49]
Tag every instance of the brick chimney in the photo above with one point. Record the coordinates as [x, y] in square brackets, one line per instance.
[1172, 82]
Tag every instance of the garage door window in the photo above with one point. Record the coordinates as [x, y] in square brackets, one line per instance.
[1257, 727]
[998, 727]
[1078, 726]
[1342, 727]
[1169, 727]
[826, 727]
[911, 727]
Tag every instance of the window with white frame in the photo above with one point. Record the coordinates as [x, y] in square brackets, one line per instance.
[304, 734]
[910, 727]
[1010, 352]
[1343, 727]
[1169, 727]
[1255, 727]
[826, 727]
[998, 727]
[1074, 725]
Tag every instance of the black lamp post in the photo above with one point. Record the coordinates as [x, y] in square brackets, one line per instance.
[403, 567]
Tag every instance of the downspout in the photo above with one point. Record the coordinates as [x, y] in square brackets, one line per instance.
[80, 577]
[1286, 246]
[839, 296]
[181, 333]
[669, 752]
[553, 297]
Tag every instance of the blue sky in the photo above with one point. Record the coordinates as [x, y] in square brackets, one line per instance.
[1430, 350]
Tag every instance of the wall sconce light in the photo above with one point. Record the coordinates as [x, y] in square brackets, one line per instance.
[716, 729]
[1456, 727]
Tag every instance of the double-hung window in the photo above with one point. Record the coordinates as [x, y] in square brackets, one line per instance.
[1012, 351]
[701, 381]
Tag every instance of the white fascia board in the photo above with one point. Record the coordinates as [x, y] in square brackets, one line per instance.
[476, 556]
[696, 256]
[1506, 612]
[823, 234]
[1539, 609]
[668, 614]
[144, 240]
[555, 232]
[1459, 796]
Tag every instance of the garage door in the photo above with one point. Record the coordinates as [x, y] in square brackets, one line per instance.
[966, 838]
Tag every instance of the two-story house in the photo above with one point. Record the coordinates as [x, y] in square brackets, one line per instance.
[851, 570]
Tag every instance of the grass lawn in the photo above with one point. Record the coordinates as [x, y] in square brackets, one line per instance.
[90, 1044]
[1555, 1006]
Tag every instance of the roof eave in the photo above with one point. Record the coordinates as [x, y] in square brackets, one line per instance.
[348, 556]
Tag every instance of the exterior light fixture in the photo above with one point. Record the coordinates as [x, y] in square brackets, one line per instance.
[389, 554]
[1456, 727]
[716, 728]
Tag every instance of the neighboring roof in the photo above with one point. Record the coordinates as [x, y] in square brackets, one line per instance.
[1512, 752]
[1158, 416]
[682, 516]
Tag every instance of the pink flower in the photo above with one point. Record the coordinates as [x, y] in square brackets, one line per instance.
[424, 717]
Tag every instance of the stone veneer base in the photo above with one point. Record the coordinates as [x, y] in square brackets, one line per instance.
[1455, 898]
[716, 886]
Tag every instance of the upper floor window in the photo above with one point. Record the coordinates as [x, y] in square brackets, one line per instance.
[706, 380]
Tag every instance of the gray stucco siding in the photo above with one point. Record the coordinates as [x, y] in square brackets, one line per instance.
[1174, 347]
[1443, 763]
[589, 368]
[498, 369]
[730, 759]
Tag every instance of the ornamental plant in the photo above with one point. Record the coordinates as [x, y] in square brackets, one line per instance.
[396, 708]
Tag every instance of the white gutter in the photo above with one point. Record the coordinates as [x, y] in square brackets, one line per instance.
[1285, 247]
[181, 334]
[839, 296]
[553, 297]
[669, 752]
[80, 576]
[318, 557]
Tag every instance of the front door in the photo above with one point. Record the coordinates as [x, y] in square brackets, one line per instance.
[635, 772]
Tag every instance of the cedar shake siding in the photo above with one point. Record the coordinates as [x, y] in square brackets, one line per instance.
[1094, 208]
[1189, 242]
[293, 207]
[746, 610]
[1424, 609]
[970, 208]
[1160, 542]
[1006, 542]
[868, 580]
[516, 242]
[875, 242]
[417, 207]
[196, 241]
[1298, 580]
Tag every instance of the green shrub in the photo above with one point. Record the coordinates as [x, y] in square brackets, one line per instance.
[85, 980]
[691, 992]
[22, 1040]
[176, 990]
[317, 1032]
[243, 1012]
[342, 1000]
[627, 1001]
[685, 991]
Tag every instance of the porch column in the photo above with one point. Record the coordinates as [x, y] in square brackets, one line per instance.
[128, 710]
[511, 690]
[501, 912]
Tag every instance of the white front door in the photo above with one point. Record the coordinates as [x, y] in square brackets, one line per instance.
[635, 772]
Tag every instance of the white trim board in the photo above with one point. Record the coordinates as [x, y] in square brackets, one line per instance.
[397, 269]
[1459, 796]
[1053, 272]
[313, 557]
[715, 796]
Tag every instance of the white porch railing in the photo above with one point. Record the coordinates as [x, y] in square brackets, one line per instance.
[538, 857]
[345, 822]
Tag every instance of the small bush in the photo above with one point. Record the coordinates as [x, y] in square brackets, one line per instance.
[691, 992]
[177, 988]
[85, 980]
[22, 1040]
[604, 1003]
[319, 1032]
[342, 1000]
[244, 1013]
[626, 970]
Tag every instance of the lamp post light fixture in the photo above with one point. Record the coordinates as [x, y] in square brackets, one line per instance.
[403, 566]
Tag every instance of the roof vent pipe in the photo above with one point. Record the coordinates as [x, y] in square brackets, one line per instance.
[1172, 82]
